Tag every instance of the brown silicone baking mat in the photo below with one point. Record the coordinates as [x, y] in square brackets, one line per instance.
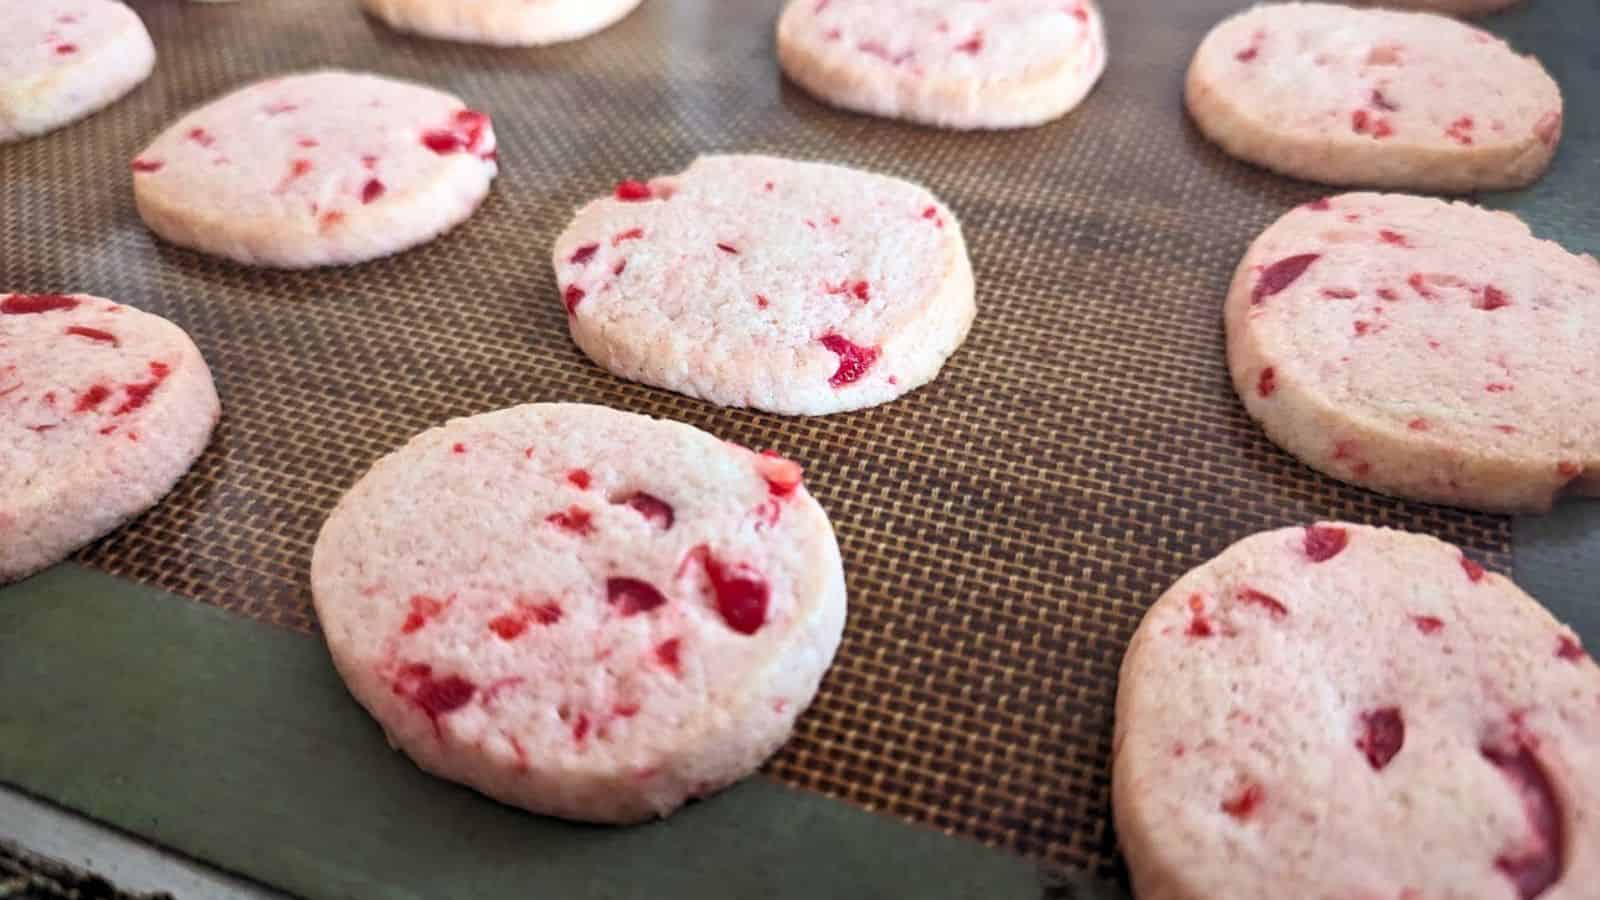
[1003, 528]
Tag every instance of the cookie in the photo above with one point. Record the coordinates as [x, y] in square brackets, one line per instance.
[61, 61]
[791, 287]
[319, 169]
[582, 612]
[1430, 350]
[102, 410]
[1375, 98]
[501, 22]
[1350, 712]
[949, 63]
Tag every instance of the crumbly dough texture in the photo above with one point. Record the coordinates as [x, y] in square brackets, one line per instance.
[579, 611]
[523, 23]
[1374, 98]
[950, 63]
[316, 169]
[61, 61]
[1431, 350]
[1353, 712]
[102, 409]
[792, 287]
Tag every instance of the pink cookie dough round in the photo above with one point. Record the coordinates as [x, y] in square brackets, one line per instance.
[949, 63]
[102, 409]
[318, 169]
[1374, 97]
[1351, 712]
[522, 23]
[792, 287]
[1430, 350]
[61, 60]
[582, 612]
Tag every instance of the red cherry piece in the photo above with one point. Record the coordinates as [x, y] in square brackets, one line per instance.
[1324, 542]
[1383, 733]
[631, 596]
[1281, 274]
[633, 191]
[854, 360]
[28, 304]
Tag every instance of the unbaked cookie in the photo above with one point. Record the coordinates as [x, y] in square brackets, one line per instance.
[1431, 350]
[583, 612]
[102, 409]
[792, 287]
[61, 61]
[502, 22]
[318, 169]
[950, 63]
[1350, 712]
[1373, 97]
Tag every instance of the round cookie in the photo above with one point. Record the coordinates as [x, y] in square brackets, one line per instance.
[61, 61]
[521, 23]
[102, 410]
[318, 169]
[1425, 349]
[1352, 712]
[950, 63]
[792, 287]
[583, 612]
[1373, 97]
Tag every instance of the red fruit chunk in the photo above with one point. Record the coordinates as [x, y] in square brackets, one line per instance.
[1324, 542]
[92, 398]
[139, 394]
[971, 45]
[633, 191]
[1268, 382]
[862, 291]
[1569, 649]
[631, 596]
[653, 508]
[1473, 570]
[1266, 601]
[299, 167]
[584, 254]
[66, 49]
[632, 234]
[782, 475]
[459, 448]
[573, 296]
[545, 613]
[580, 479]
[1420, 286]
[474, 123]
[1568, 469]
[146, 165]
[854, 360]
[1281, 274]
[372, 190]
[1244, 803]
[742, 596]
[26, 304]
[728, 248]
[575, 519]
[442, 142]
[1428, 624]
[443, 695]
[1383, 733]
[1320, 204]
[1379, 101]
[1247, 54]
[1199, 625]
[1418, 425]
[580, 729]
[667, 652]
[1393, 237]
[1536, 863]
[1340, 293]
[1493, 298]
[201, 136]
[423, 608]
[508, 627]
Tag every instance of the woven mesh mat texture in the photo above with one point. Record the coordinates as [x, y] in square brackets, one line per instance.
[1003, 529]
